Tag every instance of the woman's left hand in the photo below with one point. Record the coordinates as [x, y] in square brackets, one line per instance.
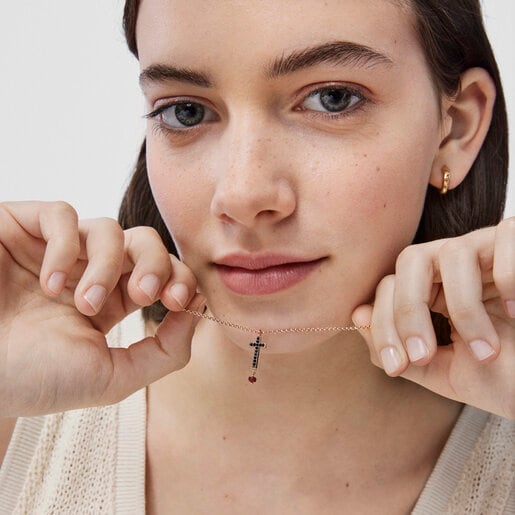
[470, 279]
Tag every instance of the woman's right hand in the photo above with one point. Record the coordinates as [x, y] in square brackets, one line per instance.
[64, 284]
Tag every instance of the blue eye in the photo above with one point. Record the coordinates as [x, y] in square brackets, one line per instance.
[182, 115]
[332, 100]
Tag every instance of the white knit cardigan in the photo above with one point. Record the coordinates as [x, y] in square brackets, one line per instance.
[93, 461]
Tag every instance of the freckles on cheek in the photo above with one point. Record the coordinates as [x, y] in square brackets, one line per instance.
[374, 192]
[390, 202]
[176, 198]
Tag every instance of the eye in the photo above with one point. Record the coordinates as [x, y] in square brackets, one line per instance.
[182, 115]
[332, 100]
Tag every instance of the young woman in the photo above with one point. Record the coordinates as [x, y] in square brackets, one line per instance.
[330, 182]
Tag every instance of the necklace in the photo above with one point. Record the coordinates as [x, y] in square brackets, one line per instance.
[258, 344]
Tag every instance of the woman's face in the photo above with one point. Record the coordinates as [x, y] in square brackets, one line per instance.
[292, 133]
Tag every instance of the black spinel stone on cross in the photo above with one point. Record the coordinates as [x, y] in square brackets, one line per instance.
[257, 347]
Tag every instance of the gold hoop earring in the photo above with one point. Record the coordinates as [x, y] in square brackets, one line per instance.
[446, 177]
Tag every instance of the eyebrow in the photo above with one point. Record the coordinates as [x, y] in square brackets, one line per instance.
[338, 53]
[156, 73]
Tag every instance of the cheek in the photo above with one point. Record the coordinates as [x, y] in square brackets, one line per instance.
[183, 205]
[391, 191]
[374, 201]
[388, 205]
[381, 180]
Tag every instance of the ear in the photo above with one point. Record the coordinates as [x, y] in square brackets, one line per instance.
[466, 120]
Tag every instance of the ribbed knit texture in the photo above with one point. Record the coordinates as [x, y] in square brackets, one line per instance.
[489, 474]
[93, 461]
[81, 461]
[475, 472]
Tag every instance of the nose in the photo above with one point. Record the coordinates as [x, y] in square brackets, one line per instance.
[253, 185]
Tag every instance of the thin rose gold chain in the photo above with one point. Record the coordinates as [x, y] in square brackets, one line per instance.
[277, 331]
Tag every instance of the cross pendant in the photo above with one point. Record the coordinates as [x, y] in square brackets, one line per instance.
[258, 344]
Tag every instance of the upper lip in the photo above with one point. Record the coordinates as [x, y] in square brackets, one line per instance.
[260, 261]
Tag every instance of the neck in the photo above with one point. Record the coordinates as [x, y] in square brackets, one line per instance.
[309, 412]
[329, 383]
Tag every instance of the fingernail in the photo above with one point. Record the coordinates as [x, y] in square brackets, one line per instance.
[95, 296]
[510, 308]
[416, 348]
[180, 293]
[149, 284]
[391, 360]
[481, 349]
[56, 282]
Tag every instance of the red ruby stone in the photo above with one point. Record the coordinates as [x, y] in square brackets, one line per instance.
[252, 379]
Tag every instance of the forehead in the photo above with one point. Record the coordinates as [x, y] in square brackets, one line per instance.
[252, 32]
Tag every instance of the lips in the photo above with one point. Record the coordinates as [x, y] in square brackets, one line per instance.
[265, 274]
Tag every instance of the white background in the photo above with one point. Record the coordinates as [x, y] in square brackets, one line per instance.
[71, 109]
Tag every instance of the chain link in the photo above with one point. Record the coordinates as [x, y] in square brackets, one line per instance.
[277, 331]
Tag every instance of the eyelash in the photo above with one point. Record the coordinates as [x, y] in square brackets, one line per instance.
[331, 116]
[161, 128]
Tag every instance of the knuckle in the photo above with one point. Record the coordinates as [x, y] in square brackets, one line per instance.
[452, 249]
[408, 309]
[407, 255]
[463, 312]
[387, 281]
[148, 237]
[111, 225]
[143, 232]
[60, 208]
[110, 262]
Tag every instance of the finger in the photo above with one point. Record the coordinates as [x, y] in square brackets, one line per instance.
[414, 293]
[459, 264]
[152, 358]
[454, 375]
[103, 243]
[149, 258]
[53, 222]
[362, 319]
[434, 376]
[504, 263]
[385, 337]
[181, 288]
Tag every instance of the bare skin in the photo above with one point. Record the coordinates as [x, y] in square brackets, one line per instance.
[299, 453]
[268, 169]
[252, 197]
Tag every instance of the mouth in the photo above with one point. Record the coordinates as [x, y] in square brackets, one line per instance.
[266, 274]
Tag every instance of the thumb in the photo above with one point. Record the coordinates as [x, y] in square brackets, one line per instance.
[362, 318]
[153, 357]
[435, 376]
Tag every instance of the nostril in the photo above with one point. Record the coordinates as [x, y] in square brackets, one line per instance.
[236, 201]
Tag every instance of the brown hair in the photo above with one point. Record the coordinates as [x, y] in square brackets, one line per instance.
[453, 38]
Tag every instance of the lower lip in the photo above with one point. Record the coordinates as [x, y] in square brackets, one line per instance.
[266, 280]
